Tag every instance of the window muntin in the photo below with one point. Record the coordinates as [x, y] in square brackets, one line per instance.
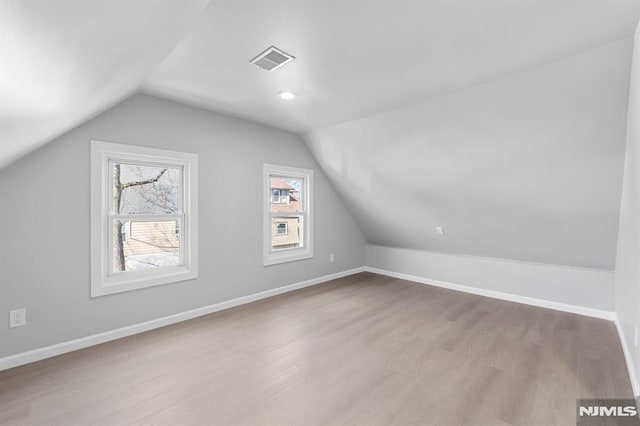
[144, 217]
[288, 214]
[286, 193]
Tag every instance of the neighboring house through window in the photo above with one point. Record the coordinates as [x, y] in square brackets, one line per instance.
[288, 218]
[144, 217]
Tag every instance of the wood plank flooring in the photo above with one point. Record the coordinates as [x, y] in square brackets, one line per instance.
[364, 349]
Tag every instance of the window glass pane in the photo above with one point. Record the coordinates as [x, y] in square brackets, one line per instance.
[275, 195]
[286, 194]
[286, 232]
[139, 189]
[145, 244]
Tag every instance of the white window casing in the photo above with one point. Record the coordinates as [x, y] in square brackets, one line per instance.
[273, 256]
[104, 280]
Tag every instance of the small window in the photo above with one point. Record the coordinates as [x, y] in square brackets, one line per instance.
[281, 228]
[279, 196]
[288, 217]
[142, 198]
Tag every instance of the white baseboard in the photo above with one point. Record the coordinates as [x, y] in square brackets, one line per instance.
[574, 309]
[96, 339]
[627, 357]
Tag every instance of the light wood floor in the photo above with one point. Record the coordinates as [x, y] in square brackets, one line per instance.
[365, 349]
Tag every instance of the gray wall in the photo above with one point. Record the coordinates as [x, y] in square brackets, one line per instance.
[627, 275]
[44, 240]
[527, 167]
[579, 287]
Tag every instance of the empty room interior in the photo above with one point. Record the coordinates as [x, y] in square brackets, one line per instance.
[319, 212]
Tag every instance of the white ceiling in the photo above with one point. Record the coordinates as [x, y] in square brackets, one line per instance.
[62, 62]
[524, 163]
[527, 167]
[356, 58]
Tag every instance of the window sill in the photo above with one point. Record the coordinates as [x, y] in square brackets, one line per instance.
[285, 256]
[105, 287]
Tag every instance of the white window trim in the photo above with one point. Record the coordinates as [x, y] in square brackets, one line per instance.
[274, 257]
[101, 282]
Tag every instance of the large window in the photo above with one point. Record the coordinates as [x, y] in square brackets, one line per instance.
[288, 216]
[144, 217]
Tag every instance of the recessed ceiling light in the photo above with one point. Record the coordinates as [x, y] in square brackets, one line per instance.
[286, 95]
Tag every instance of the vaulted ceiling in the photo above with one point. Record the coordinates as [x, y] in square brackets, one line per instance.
[486, 117]
[62, 62]
[527, 167]
[355, 58]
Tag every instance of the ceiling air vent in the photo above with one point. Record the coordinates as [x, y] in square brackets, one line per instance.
[272, 59]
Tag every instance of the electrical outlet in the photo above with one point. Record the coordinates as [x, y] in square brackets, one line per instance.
[332, 257]
[17, 318]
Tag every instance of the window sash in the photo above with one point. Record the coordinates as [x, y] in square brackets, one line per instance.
[182, 249]
[111, 216]
[115, 160]
[284, 194]
[146, 217]
[303, 223]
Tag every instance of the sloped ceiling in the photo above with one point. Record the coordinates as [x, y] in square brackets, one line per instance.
[502, 121]
[528, 167]
[61, 62]
[355, 58]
